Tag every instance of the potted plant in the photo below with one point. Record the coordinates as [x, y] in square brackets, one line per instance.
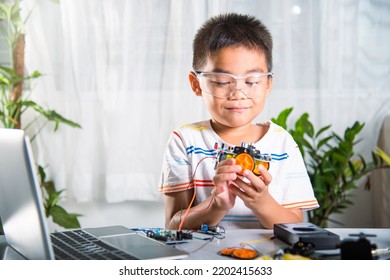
[333, 165]
[14, 102]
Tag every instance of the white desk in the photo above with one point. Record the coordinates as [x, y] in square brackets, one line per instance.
[260, 240]
[257, 238]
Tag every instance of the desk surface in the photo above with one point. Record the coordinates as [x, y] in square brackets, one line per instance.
[259, 239]
[262, 242]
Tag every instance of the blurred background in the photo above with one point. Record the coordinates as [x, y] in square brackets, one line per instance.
[120, 69]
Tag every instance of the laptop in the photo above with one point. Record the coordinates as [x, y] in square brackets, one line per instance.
[25, 225]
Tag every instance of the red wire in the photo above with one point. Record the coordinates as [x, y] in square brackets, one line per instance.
[193, 182]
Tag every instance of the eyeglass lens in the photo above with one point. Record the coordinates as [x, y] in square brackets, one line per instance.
[223, 85]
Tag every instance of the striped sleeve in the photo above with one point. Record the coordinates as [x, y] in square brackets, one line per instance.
[176, 168]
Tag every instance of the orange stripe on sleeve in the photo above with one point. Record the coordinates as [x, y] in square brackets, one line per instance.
[186, 186]
[302, 204]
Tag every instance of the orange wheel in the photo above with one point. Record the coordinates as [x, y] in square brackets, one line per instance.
[227, 251]
[265, 164]
[246, 161]
[245, 254]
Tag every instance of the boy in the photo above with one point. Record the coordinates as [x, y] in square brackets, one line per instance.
[232, 62]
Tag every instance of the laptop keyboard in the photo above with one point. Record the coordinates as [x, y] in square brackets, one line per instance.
[80, 245]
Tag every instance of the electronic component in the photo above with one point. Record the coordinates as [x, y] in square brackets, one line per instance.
[215, 231]
[292, 233]
[206, 228]
[169, 237]
[180, 235]
[246, 155]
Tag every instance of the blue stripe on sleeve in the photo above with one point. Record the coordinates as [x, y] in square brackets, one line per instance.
[197, 150]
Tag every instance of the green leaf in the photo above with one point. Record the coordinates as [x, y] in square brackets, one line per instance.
[50, 115]
[51, 191]
[322, 130]
[54, 197]
[363, 163]
[301, 124]
[339, 158]
[304, 142]
[324, 141]
[35, 75]
[282, 118]
[350, 170]
[5, 11]
[351, 132]
[4, 80]
[308, 127]
[8, 72]
[61, 217]
[42, 173]
[15, 12]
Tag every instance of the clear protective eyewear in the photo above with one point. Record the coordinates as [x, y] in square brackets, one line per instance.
[224, 85]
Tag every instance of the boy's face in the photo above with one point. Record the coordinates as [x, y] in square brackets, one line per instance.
[238, 109]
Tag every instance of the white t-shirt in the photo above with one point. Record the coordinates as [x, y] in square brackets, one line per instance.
[190, 160]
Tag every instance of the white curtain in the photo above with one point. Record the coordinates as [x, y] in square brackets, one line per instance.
[120, 68]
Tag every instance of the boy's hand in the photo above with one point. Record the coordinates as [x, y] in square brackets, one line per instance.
[254, 188]
[225, 175]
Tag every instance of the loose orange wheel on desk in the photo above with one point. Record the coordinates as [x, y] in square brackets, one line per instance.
[239, 253]
[227, 251]
[246, 161]
[245, 254]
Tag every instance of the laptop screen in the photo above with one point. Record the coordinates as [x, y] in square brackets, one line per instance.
[21, 212]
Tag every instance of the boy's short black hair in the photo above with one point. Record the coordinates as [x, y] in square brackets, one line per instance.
[231, 30]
